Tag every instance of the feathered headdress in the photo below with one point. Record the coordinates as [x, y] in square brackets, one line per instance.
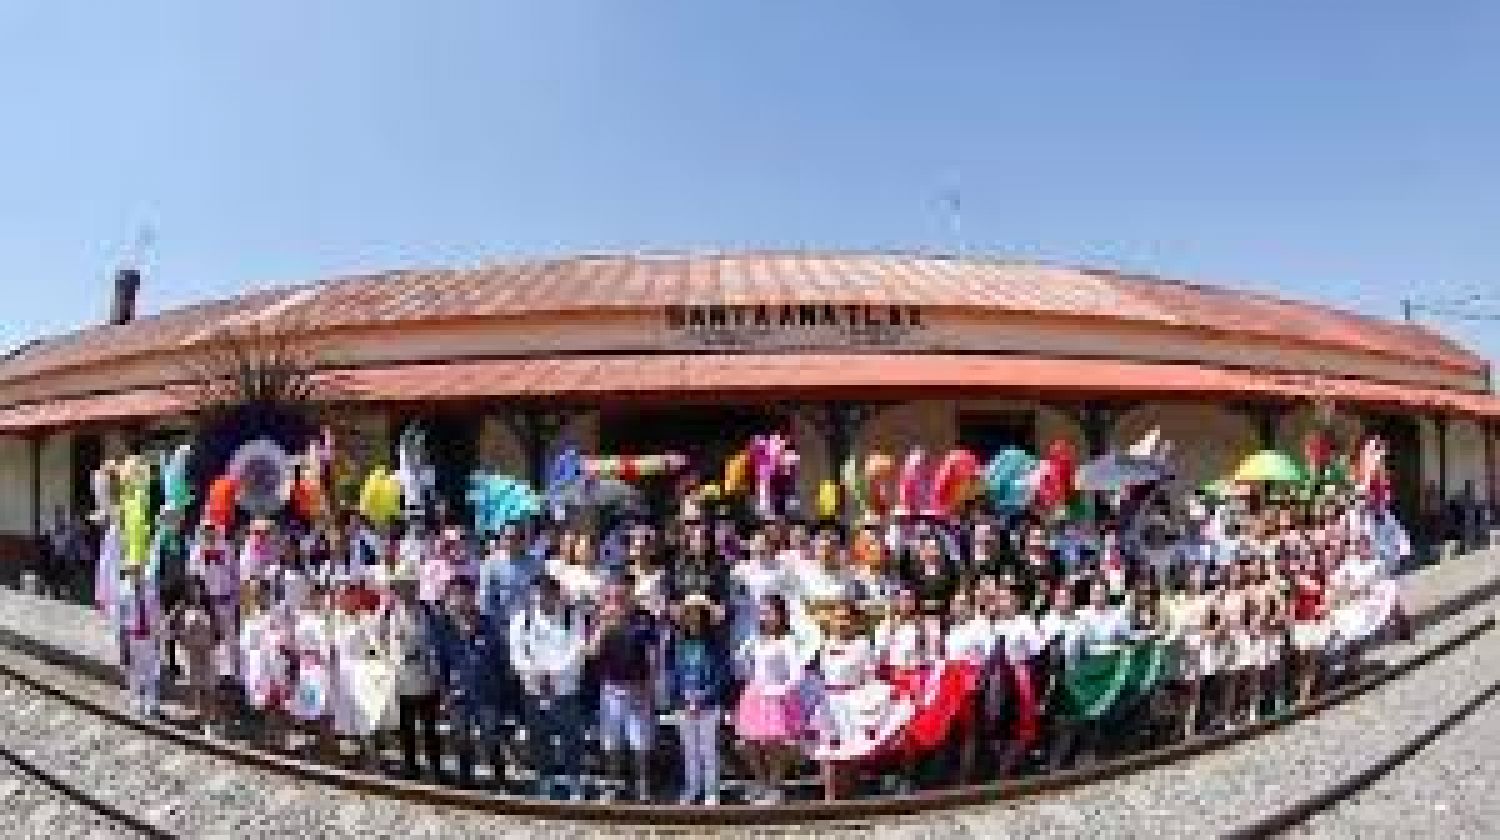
[952, 482]
[499, 500]
[1008, 479]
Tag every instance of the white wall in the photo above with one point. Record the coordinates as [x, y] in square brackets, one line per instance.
[1209, 441]
[1466, 458]
[57, 475]
[16, 508]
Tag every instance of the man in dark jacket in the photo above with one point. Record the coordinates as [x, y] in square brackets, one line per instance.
[471, 670]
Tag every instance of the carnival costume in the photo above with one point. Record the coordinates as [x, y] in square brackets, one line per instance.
[770, 710]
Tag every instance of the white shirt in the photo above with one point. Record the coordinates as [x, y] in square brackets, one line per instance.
[818, 584]
[750, 582]
[410, 645]
[970, 641]
[1104, 625]
[503, 587]
[774, 665]
[547, 645]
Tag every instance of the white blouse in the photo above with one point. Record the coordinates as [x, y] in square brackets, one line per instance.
[774, 664]
[899, 644]
[847, 664]
[970, 641]
[1017, 636]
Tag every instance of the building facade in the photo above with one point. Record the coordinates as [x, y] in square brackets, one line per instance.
[848, 352]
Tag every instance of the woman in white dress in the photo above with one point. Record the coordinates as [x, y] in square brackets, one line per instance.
[1187, 616]
[362, 693]
[264, 640]
[855, 714]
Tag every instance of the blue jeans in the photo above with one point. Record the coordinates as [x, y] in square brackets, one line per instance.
[554, 733]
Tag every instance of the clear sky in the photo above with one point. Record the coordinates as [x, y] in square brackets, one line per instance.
[1348, 152]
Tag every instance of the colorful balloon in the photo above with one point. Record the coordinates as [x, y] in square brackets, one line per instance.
[736, 473]
[828, 500]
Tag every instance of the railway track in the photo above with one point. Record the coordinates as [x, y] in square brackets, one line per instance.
[1298, 812]
[90, 699]
[90, 810]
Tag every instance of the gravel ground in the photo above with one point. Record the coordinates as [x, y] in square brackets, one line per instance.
[29, 810]
[1450, 789]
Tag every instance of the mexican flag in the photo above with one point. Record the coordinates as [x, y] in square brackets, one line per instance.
[1106, 678]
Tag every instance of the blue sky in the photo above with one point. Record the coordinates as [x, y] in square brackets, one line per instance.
[1337, 151]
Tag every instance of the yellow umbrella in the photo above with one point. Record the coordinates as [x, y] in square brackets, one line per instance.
[1268, 465]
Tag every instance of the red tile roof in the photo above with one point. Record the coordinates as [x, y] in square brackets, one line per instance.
[647, 281]
[714, 377]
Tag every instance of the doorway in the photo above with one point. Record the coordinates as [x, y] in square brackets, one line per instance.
[1403, 462]
[985, 433]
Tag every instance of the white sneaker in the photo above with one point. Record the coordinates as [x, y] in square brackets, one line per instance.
[687, 798]
[712, 800]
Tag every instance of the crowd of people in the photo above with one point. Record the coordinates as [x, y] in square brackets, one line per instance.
[886, 652]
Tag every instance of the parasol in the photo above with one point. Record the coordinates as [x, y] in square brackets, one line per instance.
[1268, 465]
[1115, 472]
[596, 492]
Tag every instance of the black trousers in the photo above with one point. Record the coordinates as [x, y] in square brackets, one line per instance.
[419, 712]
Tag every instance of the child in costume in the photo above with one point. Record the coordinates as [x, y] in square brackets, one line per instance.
[699, 687]
[968, 645]
[196, 630]
[362, 692]
[1187, 616]
[312, 654]
[769, 720]
[264, 642]
[1011, 702]
[212, 560]
[857, 714]
[140, 620]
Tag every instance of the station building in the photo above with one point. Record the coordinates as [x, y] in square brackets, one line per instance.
[696, 352]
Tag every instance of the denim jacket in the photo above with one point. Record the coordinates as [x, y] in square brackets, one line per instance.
[699, 667]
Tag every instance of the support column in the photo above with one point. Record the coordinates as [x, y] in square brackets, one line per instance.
[1440, 424]
[843, 422]
[1491, 479]
[36, 485]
